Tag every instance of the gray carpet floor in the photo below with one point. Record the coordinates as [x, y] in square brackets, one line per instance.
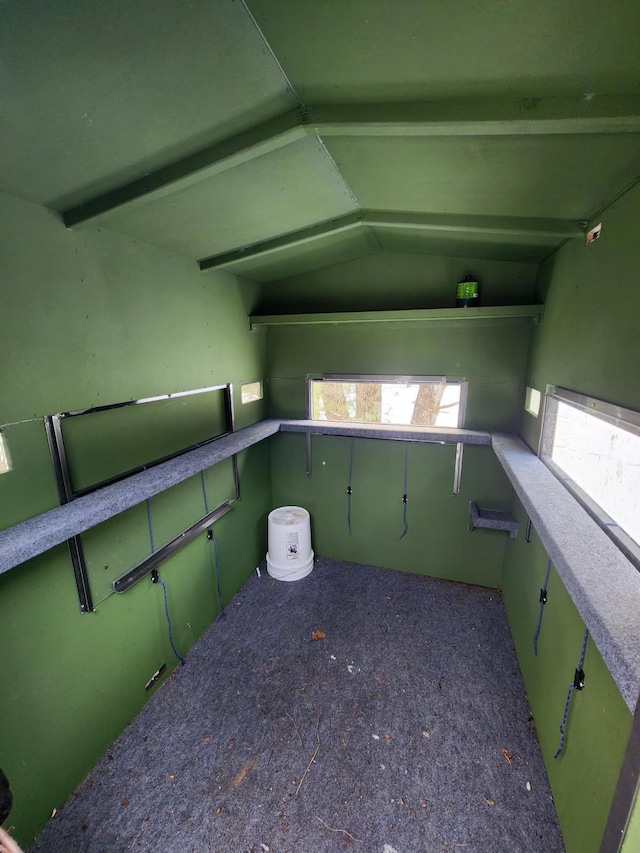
[404, 729]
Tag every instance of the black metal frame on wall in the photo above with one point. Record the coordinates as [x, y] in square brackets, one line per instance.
[66, 492]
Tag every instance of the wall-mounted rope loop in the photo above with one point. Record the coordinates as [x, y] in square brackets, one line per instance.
[577, 684]
[543, 601]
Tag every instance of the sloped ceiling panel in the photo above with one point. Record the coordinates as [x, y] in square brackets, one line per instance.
[274, 194]
[176, 124]
[96, 94]
[303, 258]
[545, 176]
[490, 247]
[414, 50]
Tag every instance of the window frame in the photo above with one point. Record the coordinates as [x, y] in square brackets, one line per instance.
[626, 419]
[388, 379]
[5, 456]
[249, 397]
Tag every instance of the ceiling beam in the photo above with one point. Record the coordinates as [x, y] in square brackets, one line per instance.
[480, 117]
[510, 229]
[502, 226]
[256, 142]
[285, 241]
[473, 117]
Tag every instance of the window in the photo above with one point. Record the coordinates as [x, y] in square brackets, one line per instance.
[400, 400]
[532, 402]
[5, 459]
[251, 391]
[594, 447]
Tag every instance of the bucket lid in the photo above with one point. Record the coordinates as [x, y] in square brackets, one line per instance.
[289, 515]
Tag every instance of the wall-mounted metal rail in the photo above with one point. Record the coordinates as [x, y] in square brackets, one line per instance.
[127, 580]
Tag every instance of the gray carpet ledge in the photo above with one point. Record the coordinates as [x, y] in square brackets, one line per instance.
[426, 435]
[403, 727]
[37, 535]
[603, 583]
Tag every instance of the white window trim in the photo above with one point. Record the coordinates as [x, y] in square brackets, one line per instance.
[390, 380]
[5, 456]
[619, 416]
[251, 398]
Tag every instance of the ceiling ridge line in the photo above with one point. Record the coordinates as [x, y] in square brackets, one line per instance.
[598, 213]
[333, 225]
[556, 226]
[285, 76]
[368, 218]
[591, 219]
[485, 116]
[336, 169]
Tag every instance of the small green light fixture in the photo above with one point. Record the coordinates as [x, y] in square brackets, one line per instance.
[468, 293]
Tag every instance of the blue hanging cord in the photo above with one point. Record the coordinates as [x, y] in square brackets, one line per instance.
[166, 610]
[578, 684]
[543, 601]
[157, 579]
[212, 537]
[204, 493]
[404, 494]
[349, 490]
[150, 523]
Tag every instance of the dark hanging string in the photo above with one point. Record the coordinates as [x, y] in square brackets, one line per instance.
[212, 538]
[150, 523]
[216, 564]
[157, 579]
[349, 490]
[543, 601]
[578, 684]
[166, 610]
[204, 493]
[404, 493]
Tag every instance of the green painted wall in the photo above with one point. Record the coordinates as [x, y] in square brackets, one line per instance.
[88, 318]
[589, 339]
[491, 357]
[632, 836]
[588, 342]
[437, 542]
[583, 778]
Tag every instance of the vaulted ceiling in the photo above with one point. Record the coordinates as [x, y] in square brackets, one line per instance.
[274, 137]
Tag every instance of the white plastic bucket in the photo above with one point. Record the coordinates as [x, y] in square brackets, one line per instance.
[289, 557]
